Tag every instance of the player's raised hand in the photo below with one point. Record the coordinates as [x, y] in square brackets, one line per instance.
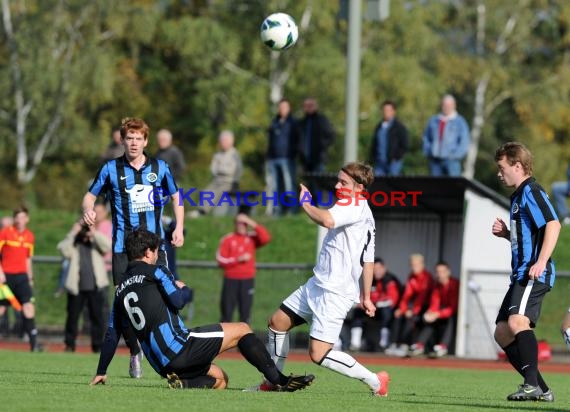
[499, 228]
[304, 195]
[180, 284]
[98, 379]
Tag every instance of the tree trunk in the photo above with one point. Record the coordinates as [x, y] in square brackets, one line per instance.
[477, 127]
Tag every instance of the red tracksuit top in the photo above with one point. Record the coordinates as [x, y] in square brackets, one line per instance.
[445, 298]
[385, 289]
[233, 245]
[417, 292]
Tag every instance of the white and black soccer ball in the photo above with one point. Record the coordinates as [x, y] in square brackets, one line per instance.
[279, 31]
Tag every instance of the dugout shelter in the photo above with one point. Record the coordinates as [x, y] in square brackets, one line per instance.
[450, 219]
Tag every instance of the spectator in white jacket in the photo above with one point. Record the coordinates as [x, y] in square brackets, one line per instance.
[87, 281]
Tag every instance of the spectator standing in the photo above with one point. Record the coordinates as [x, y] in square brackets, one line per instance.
[87, 281]
[446, 140]
[226, 168]
[439, 320]
[317, 135]
[115, 148]
[284, 135]
[236, 256]
[560, 191]
[170, 153]
[17, 249]
[413, 304]
[389, 143]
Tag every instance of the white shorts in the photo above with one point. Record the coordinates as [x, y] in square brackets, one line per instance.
[323, 310]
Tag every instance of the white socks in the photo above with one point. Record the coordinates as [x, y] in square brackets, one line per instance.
[566, 336]
[356, 338]
[278, 347]
[384, 337]
[345, 364]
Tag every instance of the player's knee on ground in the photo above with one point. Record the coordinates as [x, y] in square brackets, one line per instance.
[220, 376]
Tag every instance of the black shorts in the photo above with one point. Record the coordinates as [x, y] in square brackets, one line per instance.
[20, 286]
[120, 262]
[523, 298]
[198, 353]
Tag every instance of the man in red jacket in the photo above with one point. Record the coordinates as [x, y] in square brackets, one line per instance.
[439, 320]
[236, 255]
[414, 302]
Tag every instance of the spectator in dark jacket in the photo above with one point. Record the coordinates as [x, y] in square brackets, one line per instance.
[317, 135]
[282, 150]
[560, 191]
[389, 143]
[171, 154]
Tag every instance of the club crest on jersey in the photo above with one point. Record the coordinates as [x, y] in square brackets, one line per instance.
[151, 177]
[515, 208]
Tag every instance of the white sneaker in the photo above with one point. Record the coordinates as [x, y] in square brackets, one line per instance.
[135, 366]
[402, 351]
[261, 387]
[416, 349]
[440, 350]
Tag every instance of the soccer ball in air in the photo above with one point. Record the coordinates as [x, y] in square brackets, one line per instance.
[279, 31]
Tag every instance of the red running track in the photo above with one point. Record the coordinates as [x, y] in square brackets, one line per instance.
[366, 358]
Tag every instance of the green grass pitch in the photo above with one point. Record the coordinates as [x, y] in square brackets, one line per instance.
[59, 382]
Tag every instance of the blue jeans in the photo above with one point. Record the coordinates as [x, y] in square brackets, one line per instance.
[559, 195]
[281, 174]
[393, 168]
[444, 167]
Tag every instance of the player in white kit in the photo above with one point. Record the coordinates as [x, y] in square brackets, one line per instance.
[346, 255]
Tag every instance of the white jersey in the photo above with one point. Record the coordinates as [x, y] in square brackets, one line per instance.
[345, 249]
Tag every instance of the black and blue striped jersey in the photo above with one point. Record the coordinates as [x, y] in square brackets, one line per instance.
[531, 210]
[137, 197]
[149, 300]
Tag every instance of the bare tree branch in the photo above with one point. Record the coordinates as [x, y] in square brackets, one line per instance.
[74, 38]
[497, 100]
[233, 68]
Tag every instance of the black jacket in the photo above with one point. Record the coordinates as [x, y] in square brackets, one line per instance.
[323, 137]
[397, 141]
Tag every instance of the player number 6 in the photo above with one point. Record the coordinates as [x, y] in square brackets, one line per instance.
[135, 313]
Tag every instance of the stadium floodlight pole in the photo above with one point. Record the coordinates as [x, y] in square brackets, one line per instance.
[352, 80]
